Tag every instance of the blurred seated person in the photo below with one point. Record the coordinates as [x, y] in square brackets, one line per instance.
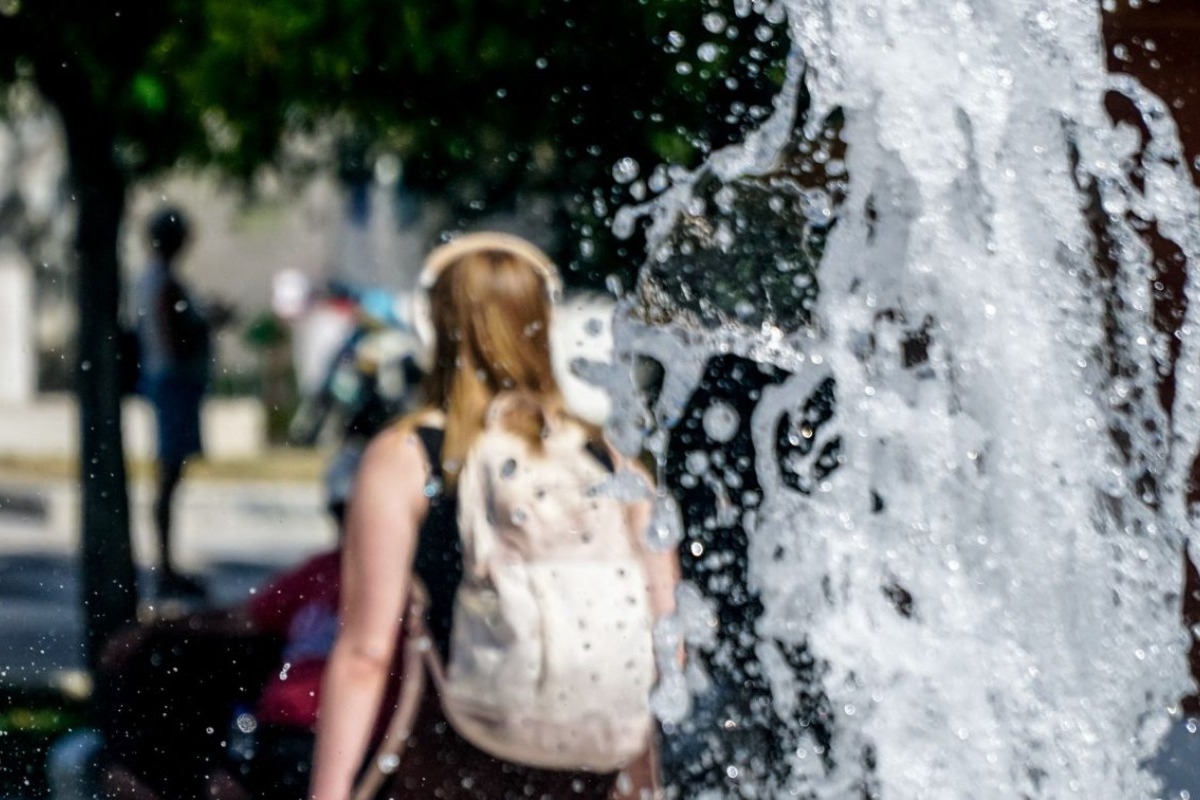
[222, 703]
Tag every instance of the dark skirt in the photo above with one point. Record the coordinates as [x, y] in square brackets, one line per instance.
[438, 763]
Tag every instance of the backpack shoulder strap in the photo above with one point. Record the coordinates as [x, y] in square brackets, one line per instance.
[432, 440]
[603, 454]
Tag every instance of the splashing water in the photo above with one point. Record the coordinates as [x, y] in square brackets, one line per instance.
[959, 501]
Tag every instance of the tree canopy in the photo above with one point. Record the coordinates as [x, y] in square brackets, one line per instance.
[480, 100]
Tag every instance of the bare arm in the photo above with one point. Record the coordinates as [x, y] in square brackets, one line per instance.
[662, 567]
[384, 517]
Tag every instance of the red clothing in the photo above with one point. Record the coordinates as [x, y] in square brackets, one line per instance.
[302, 606]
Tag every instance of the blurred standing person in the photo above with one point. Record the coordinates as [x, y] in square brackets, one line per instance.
[174, 340]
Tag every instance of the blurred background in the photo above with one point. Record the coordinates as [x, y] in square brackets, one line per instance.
[320, 148]
[335, 141]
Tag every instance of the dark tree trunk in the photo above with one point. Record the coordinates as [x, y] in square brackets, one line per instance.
[107, 570]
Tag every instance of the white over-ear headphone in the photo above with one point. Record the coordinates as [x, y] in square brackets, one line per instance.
[443, 256]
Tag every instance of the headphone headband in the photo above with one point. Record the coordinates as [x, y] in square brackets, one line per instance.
[441, 257]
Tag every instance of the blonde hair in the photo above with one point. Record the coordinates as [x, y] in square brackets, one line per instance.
[490, 312]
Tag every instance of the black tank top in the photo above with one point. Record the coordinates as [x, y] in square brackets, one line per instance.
[438, 560]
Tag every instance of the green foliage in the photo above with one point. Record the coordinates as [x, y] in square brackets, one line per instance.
[482, 100]
[30, 722]
[265, 331]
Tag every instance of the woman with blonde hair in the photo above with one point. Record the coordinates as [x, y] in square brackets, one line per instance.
[485, 302]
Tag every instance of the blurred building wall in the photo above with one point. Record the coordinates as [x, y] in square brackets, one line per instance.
[18, 357]
[372, 235]
[233, 428]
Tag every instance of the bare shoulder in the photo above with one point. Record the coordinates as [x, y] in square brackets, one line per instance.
[389, 490]
[397, 450]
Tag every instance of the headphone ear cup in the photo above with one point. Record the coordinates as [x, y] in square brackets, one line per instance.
[422, 321]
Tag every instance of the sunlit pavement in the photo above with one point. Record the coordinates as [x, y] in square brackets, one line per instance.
[233, 535]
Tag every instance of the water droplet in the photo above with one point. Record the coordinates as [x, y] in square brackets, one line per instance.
[817, 207]
[696, 462]
[721, 422]
[659, 180]
[714, 22]
[626, 170]
[666, 523]
[624, 784]
[670, 701]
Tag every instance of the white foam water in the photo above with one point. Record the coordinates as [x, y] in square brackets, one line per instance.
[987, 575]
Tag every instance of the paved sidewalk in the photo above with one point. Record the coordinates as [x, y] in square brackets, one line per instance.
[234, 534]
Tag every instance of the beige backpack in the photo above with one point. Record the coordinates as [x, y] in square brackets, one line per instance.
[551, 656]
[551, 652]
